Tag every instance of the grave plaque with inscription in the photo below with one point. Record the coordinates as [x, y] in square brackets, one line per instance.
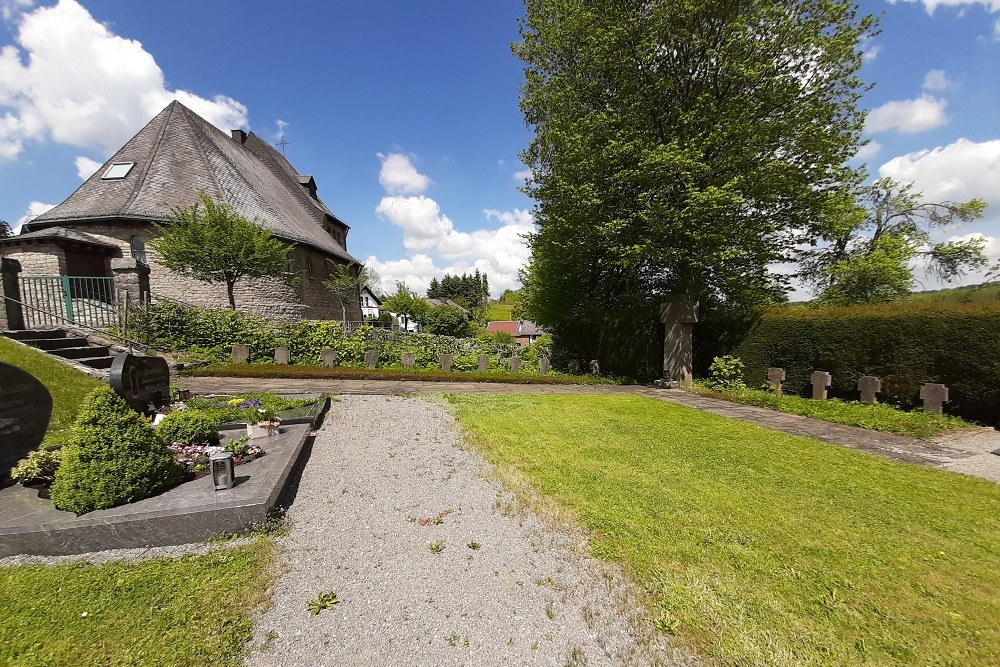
[141, 381]
[482, 362]
[25, 409]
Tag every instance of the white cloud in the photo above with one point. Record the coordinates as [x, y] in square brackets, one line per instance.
[11, 8]
[931, 5]
[937, 79]
[35, 209]
[996, 30]
[907, 116]
[71, 80]
[85, 167]
[522, 175]
[399, 177]
[869, 150]
[871, 53]
[959, 171]
[279, 131]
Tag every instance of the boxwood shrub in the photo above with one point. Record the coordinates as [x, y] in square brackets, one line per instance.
[905, 344]
[190, 427]
[114, 457]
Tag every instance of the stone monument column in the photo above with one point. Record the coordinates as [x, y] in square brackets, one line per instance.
[678, 315]
[11, 312]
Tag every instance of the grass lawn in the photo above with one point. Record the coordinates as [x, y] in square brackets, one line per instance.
[878, 416]
[192, 611]
[499, 312]
[757, 547]
[67, 385]
[350, 373]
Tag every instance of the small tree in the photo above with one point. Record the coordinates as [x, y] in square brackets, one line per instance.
[874, 238]
[345, 283]
[212, 243]
[406, 304]
[5, 231]
[446, 321]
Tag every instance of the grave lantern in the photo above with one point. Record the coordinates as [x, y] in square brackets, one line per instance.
[221, 464]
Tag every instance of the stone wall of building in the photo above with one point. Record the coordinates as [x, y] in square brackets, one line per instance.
[37, 259]
[270, 297]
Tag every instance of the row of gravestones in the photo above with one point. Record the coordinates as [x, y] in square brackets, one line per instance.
[241, 354]
[932, 394]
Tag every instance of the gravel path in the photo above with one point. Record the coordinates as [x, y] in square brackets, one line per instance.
[389, 476]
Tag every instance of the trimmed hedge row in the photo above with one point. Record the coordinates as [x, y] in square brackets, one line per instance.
[905, 344]
[210, 334]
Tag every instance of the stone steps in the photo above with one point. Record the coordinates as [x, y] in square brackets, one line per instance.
[67, 346]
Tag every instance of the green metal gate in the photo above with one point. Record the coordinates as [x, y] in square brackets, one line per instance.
[52, 301]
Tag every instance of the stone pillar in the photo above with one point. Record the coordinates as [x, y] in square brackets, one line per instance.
[11, 312]
[132, 277]
[678, 315]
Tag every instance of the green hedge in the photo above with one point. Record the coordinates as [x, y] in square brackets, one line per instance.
[211, 333]
[905, 344]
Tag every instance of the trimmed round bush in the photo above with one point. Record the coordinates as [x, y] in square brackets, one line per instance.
[190, 427]
[113, 457]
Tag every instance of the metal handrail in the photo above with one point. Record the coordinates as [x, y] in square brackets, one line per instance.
[143, 347]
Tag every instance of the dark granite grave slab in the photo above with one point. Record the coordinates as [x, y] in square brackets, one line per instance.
[191, 512]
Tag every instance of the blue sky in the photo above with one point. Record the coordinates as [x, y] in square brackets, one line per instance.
[407, 113]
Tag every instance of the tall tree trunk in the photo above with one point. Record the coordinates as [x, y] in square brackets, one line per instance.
[343, 311]
[232, 299]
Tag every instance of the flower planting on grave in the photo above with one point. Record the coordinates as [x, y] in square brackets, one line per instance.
[114, 457]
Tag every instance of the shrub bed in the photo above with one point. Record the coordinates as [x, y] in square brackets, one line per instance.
[904, 344]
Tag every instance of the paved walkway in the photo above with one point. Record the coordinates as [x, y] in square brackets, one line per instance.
[967, 452]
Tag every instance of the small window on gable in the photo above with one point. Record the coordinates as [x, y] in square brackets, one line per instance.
[309, 267]
[117, 171]
[138, 247]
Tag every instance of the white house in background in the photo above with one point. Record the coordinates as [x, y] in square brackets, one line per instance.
[409, 326]
[369, 303]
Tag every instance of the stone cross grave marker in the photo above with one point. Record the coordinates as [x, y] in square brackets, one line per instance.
[934, 396]
[482, 363]
[595, 367]
[515, 364]
[446, 361]
[678, 316]
[409, 359]
[543, 365]
[776, 376]
[25, 410]
[141, 381]
[573, 366]
[328, 357]
[281, 355]
[820, 380]
[371, 358]
[241, 353]
[869, 385]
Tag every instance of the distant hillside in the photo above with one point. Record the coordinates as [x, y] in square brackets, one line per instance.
[967, 294]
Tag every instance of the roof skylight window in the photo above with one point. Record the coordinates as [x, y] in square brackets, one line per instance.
[117, 171]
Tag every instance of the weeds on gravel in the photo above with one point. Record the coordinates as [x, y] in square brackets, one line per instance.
[435, 520]
[475, 546]
[757, 547]
[322, 601]
[453, 639]
[273, 526]
[435, 547]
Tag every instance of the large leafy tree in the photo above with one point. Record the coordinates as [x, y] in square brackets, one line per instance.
[873, 241]
[406, 304]
[210, 242]
[679, 147]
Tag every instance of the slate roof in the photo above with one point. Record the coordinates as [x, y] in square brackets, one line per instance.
[179, 153]
[57, 234]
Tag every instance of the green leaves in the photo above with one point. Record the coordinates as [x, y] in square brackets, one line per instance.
[212, 243]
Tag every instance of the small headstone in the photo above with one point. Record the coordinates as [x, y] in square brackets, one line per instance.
[776, 376]
[371, 358]
[25, 409]
[595, 367]
[281, 355]
[869, 385]
[820, 380]
[543, 365]
[573, 366]
[409, 359]
[241, 353]
[934, 396]
[328, 357]
[141, 381]
[482, 363]
[515, 364]
[446, 362]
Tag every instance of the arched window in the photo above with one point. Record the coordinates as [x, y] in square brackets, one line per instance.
[138, 249]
